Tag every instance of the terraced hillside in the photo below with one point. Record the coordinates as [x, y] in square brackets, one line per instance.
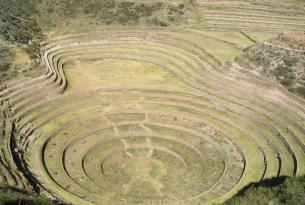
[137, 115]
[159, 121]
[258, 15]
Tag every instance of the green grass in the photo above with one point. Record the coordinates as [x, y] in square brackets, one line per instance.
[260, 36]
[221, 51]
[155, 171]
[114, 72]
[229, 36]
[55, 123]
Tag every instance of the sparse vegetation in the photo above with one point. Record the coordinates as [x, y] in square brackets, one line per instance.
[6, 58]
[281, 58]
[19, 27]
[13, 197]
[17, 22]
[109, 12]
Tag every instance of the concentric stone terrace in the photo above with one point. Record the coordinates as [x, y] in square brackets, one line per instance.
[125, 116]
[128, 148]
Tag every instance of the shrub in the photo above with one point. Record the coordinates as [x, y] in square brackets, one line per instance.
[14, 197]
[155, 21]
[33, 50]
[284, 75]
[300, 90]
[290, 191]
[6, 58]
[4, 66]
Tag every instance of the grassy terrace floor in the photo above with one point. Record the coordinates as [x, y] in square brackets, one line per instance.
[111, 72]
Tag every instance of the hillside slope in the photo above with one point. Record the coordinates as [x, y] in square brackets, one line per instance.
[281, 59]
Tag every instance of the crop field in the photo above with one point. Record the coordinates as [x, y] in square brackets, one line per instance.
[136, 115]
